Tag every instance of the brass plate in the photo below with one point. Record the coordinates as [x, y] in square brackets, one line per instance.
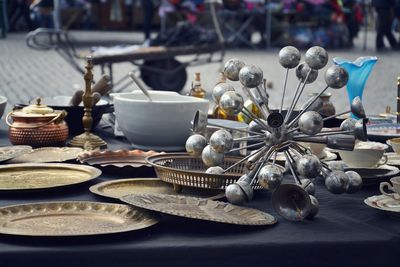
[72, 219]
[48, 154]
[122, 187]
[29, 176]
[9, 152]
[119, 158]
[198, 208]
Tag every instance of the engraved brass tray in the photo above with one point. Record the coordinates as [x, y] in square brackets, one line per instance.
[198, 208]
[48, 154]
[30, 176]
[9, 152]
[122, 187]
[72, 219]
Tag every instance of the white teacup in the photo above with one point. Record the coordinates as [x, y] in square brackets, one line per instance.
[365, 155]
[394, 187]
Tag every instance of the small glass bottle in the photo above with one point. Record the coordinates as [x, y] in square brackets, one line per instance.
[197, 90]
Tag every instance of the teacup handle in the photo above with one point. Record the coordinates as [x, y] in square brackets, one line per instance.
[382, 188]
[383, 160]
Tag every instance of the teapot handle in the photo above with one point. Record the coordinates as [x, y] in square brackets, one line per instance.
[61, 115]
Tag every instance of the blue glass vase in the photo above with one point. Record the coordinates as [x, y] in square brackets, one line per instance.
[359, 71]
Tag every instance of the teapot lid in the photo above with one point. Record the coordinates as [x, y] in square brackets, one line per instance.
[38, 108]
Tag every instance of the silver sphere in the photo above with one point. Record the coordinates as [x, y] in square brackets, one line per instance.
[232, 68]
[357, 108]
[221, 141]
[289, 57]
[270, 177]
[337, 182]
[215, 170]
[235, 194]
[348, 124]
[231, 102]
[314, 207]
[309, 166]
[336, 77]
[302, 71]
[308, 186]
[316, 57]
[247, 189]
[311, 122]
[355, 182]
[251, 76]
[220, 89]
[195, 144]
[211, 157]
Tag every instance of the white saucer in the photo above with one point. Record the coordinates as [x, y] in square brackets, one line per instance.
[383, 202]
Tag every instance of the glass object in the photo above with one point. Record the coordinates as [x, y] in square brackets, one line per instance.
[359, 71]
[197, 90]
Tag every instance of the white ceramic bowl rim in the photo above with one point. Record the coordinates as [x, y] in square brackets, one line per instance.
[168, 97]
[3, 99]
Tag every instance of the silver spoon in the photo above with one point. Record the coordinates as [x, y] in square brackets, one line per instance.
[140, 84]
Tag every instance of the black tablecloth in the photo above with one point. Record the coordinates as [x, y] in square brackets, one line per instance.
[346, 232]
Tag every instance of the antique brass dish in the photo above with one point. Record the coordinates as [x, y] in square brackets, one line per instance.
[48, 154]
[30, 176]
[198, 208]
[78, 218]
[9, 152]
[121, 187]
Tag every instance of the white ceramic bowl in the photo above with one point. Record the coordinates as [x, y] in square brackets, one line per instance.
[3, 104]
[161, 125]
[364, 155]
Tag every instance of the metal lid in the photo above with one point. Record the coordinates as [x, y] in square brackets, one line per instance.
[38, 109]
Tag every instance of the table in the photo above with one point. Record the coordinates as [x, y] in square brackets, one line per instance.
[346, 232]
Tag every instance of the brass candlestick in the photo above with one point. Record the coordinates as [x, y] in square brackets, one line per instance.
[87, 140]
[398, 100]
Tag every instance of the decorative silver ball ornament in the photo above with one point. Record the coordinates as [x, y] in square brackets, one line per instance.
[348, 124]
[302, 71]
[221, 141]
[337, 182]
[357, 108]
[232, 68]
[309, 166]
[270, 177]
[251, 76]
[215, 170]
[231, 102]
[289, 57]
[308, 186]
[336, 77]
[355, 182]
[247, 189]
[220, 89]
[310, 122]
[314, 207]
[195, 144]
[316, 57]
[235, 194]
[211, 157]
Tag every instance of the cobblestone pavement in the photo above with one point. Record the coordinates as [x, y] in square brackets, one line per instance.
[27, 73]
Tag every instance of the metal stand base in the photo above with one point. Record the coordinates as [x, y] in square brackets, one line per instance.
[88, 141]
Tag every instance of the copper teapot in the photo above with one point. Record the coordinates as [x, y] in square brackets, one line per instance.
[37, 125]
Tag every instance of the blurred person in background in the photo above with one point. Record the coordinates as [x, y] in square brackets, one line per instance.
[19, 9]
[385, 12]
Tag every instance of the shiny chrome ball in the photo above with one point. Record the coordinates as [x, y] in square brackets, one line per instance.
[235, 194]
[231, 102]
[232, 68]
[221, 141]
[336, 77]
[308, 186]
[195, 144]
[289, 57]
[220, 89]
[247, 189]
[337, 182]
[310, 122]
[215, 170]
[348, 124]
[309, 166]
[355, 182]
[270, 177]
[251, 76]
[357, 108]
[314, 207]
[316, 57]
[211, 157]
[302, 71]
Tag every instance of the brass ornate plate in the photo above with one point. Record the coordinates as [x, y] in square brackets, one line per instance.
[9, 152]
[198, 208]
[122, 187]
[72, 219]
[120, 158]
[30, 176]
[48, 154]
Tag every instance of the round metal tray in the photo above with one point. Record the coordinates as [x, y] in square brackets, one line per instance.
[185, 170]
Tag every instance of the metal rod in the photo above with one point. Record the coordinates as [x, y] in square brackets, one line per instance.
[336, 115]
[293, 130]
[262, 96]
[254, 117]
[291, 104]
[254, 100]
[307, 107]
[248, 138]
[234, 129]
[288, 159]
[240, 161]
[284, 90]
[261, 163]
[325, 134]
[245, 147]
